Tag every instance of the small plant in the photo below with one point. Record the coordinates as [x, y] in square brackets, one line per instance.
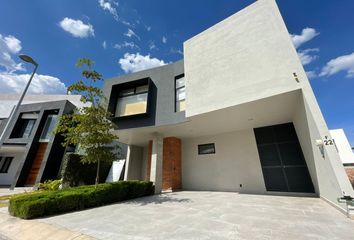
[49, 185]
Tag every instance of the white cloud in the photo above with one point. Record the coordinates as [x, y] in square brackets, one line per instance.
[111, 7]
[10, 45]
[306, 35]
[152, 45]
[41, 84]
[131, 45]
[136, 62]
[174, 51]
[306, 57]
[77, 28]
[104, 44]
[311, 74]
[11, 82]
[129, 24]
[341, 63]
[13, 44]
[130, 33]
[164, 39]
[108, 6]
[148, 28]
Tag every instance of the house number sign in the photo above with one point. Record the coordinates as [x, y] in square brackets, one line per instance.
[330, 142]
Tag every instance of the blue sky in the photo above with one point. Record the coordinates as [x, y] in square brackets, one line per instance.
[125, 36]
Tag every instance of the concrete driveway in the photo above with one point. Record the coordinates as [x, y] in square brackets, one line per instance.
[211, 215]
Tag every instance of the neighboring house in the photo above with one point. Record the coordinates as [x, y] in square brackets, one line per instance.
[344, 149]
[237, 114]
[30, 152]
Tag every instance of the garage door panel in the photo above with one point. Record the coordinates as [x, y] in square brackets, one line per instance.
[275, 179]
[284, 133]
[269, 155]
[264, 135]
[291, 153]
[298, 179]
[283, 164]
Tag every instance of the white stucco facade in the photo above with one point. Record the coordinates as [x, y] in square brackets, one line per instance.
[235, 166]
[245, 57]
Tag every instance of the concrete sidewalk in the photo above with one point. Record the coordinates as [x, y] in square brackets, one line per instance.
[211, 215]
[12, 228]
[5, 191]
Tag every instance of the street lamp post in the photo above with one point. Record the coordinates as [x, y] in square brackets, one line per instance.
[27, 59]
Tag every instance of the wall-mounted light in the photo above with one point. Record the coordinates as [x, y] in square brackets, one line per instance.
[319, 144]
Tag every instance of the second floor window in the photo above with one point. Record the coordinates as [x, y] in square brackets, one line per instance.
[49, 126]
[132, 101]
[24, 125]
[180, 93]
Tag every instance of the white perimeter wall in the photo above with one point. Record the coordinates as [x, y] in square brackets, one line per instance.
[344, 149]
[235, 162]
[133, 165]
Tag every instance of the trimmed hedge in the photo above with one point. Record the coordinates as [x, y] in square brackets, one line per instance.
[75, 173]
[72, 199]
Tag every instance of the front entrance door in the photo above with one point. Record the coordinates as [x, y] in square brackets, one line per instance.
[32, 175]
[283, 164]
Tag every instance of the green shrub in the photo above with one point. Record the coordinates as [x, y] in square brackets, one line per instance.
[49, 185]
[75, 173]
[47, 203]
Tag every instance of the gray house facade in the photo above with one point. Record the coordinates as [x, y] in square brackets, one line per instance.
[237, 114]
[30, 153]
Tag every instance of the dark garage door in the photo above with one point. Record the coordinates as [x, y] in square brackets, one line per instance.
[283, 164]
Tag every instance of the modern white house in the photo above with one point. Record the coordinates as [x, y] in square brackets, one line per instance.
[236, 114]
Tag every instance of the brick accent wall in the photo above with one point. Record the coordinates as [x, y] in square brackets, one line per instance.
[148, 164]
[171, 164]
[350, 173]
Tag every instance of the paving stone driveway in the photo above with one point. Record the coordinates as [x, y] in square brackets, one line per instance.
[211, 215]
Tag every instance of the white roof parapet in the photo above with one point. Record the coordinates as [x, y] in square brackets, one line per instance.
[8, 101]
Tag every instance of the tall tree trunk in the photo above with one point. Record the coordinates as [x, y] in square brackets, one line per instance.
[97, 174]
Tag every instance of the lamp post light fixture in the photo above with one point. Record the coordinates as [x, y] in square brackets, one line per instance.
[27, 59]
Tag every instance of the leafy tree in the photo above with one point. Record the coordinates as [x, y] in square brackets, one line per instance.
[89, 126]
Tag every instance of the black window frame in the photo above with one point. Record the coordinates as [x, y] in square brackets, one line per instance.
[135, 93]
[5, 163]
[118, 88]
[19, 129]
[176, 89]
[205, 145]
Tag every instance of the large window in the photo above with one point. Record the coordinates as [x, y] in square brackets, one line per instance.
[132, 101]
[49, 126]
[180, 93]
[24, 125]
[5, 163]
